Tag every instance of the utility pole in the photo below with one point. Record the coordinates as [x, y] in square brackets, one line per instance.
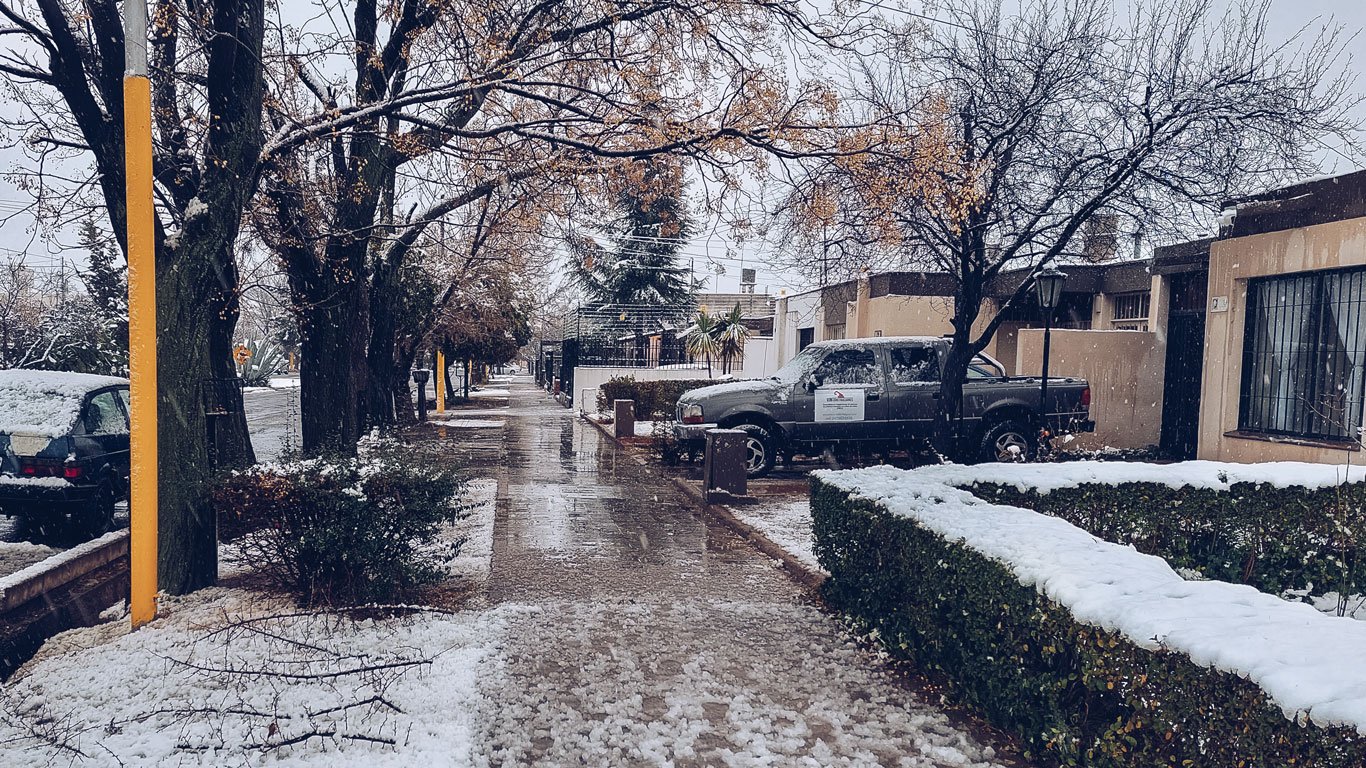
[142, 315]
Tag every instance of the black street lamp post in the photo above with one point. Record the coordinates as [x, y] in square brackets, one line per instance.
[1048, 289]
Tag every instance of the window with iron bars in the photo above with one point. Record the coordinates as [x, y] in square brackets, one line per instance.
[1131, 311]
[1304, 355]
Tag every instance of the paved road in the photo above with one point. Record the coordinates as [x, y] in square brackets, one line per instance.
[656, 638]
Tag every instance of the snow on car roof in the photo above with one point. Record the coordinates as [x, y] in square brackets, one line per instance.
[851, 343]
[45, 403]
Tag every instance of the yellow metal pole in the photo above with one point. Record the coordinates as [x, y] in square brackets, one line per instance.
[440, 382]
[142, 315]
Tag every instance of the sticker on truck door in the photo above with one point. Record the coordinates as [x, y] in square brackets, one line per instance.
[839, 404]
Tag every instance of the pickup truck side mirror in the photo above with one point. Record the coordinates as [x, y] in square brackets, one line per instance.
[813, 383]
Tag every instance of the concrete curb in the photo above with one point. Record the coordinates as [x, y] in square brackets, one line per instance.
[798, 571]
[61, 569]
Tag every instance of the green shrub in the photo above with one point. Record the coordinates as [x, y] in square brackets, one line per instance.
[1075, 694]
[342, 530]
[651, 397]
[1274, 539]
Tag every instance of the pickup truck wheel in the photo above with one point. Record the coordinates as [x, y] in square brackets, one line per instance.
[1009, 441]
[761, 450]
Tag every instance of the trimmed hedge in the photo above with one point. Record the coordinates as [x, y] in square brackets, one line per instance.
[1274, 539]
[1075, 694]
[651, 397]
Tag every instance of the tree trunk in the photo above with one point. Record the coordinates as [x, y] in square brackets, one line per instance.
[186, 527]
[382, 350]
[332, 369]
[947, 438]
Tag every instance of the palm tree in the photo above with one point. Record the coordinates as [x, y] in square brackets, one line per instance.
[701, 339]
[731, 336]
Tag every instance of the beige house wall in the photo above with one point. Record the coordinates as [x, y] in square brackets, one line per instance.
[922, 316]
[1232, 262]
[1126, 394]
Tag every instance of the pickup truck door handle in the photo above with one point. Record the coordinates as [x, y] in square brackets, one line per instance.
[935, 395]
[873, 395]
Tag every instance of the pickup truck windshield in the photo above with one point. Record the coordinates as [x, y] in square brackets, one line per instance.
[799, 366]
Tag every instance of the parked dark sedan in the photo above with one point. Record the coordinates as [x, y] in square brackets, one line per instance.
[63, 449]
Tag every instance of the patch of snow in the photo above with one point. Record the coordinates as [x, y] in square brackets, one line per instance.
[466, 423]
[45, 403]
[37, 482]
[1312, 666]
[57, 560]
[704, 682]
[787, 523]
[195, 208]
[285, 382]
[476, 527]
[489, 393]
[17, 555]
[223, 670]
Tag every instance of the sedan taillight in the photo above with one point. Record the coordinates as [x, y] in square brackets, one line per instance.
[1086, 397]
[40, 467]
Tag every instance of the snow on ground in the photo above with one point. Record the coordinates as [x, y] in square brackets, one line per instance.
[219, 669]
[1311, 665]
[225, 671]
[702, 683]
[493, 392]
[786, 521]
[15, 556]
[465, 423]
[477, 528]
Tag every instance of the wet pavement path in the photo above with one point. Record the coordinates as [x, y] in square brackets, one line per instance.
[646, 635]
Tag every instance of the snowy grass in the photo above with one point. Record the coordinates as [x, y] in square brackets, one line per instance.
[226, 676]
[225, 669]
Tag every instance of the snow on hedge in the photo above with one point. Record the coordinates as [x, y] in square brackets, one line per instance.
[1309, 664]
[1215, 475]
[45, 403]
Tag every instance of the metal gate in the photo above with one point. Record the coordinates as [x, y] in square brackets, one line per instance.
[1185, 365]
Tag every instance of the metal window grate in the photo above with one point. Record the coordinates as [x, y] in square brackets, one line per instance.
[1304, 355]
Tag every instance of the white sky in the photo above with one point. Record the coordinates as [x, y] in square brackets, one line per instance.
[712, 250]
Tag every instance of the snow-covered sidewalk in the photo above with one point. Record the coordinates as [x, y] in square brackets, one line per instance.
[232, 675]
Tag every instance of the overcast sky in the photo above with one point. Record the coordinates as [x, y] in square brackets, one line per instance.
[712, 251]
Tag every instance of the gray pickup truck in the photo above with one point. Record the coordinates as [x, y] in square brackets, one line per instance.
[881, 392]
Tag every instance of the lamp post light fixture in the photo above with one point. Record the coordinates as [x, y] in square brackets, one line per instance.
[1048, 284]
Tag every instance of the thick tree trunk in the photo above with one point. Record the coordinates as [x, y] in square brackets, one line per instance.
[383, 349]
[332, 370]
[948, 440]
[187, 529]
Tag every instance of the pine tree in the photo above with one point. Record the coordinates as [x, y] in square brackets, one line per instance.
[107, 283]
[640, 268]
